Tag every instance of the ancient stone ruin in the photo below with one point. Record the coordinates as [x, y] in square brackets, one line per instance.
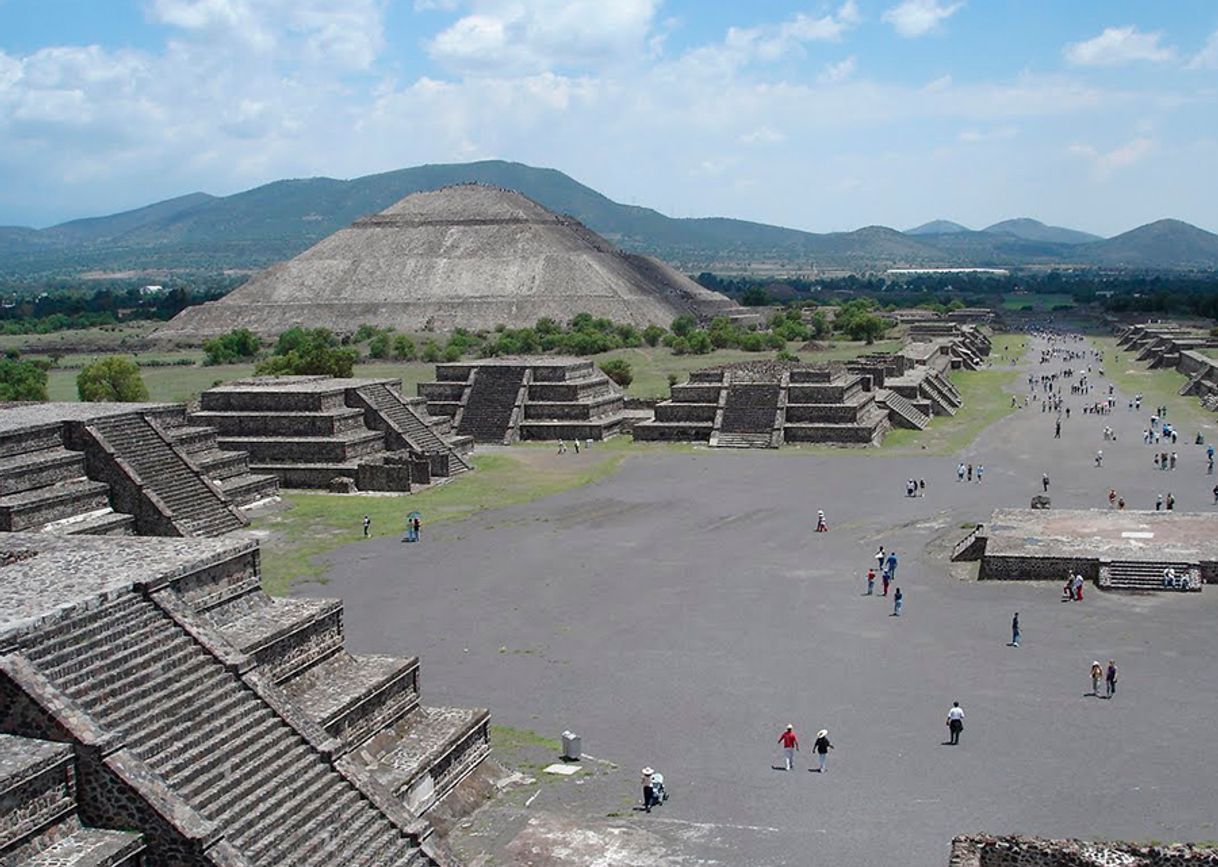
[307, 431]
[469, 256]
[1014, 851]
[1188, 350]
[155, 703]
[502, 400]
[1118, 550]
[120, 469]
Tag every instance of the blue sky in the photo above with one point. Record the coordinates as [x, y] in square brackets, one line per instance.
[1096, 114]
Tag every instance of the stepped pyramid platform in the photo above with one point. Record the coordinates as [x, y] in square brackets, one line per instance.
[764, 404]
[502, 400]
[214, 724]
[120, 469]
[1119, 550]
[41, 821]
[308, 430]
[471, 256]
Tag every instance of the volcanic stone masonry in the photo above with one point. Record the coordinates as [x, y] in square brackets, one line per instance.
[469, 256]
[502, 400]
[765, 404]
[1015, 851]
[308, 431]
[120, 469]
[156, 705]
[1188, 350]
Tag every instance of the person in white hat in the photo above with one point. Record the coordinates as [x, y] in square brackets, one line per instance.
[821, 525]
[648, 792]
[822, 747]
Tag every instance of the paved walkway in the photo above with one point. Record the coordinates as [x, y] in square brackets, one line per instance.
[681, 612]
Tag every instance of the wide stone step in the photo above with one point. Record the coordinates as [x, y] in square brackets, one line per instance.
[104, 523]
[220, 465]
[249, 751]
[264, 805]
[88, 847]
[231, 721]
[257, 783]
[343, 689]
[249, 488]
[109, 662]
[302, 835]
[186, 677]
[29, 510]
[166, 744]
[82, 627]
[38, 468]
[192, 438]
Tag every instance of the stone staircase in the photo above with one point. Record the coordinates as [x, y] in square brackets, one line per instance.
[414, 430]
[228, 469]
[943, 402]
[1193, 381]
[197, 507]
[901, 412]
[39, 823]
[215, 740]
[750, 409]
[490, 403]
[1144, 576]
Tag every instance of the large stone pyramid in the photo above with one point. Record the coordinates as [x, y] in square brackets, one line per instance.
[470, 256]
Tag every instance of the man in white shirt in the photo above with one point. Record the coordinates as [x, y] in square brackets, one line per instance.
[955, 723]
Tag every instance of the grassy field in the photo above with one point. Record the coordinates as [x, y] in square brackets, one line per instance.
[315, 523]
[986, 400]
[652, 366]
[1040, 302]
[1158, 387]
[108, 337]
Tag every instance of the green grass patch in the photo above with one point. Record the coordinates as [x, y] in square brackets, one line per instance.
[1038, 301]
[316, 523]
[513, 740]
[1159, 387]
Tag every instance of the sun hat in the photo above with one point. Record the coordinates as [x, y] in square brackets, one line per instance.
[648, 771]
[822, 733]
[790, 728]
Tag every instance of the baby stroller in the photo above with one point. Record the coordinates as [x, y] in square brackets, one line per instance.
[658, 793]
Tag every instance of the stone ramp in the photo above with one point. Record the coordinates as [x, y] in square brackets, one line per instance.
[402, 419]
[196, 506]
[38, 784]
[489, 404]
[213, 737]
[901, 412]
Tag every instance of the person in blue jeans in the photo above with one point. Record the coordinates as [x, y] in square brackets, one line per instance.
[898, 602]
[890, 565]
[1110, 678]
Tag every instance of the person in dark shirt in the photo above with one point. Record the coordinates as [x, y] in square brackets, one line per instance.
[822, 747]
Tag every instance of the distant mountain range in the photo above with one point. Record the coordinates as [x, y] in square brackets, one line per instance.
[276, 221]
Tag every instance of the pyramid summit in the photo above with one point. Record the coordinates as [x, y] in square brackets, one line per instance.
[471, 256]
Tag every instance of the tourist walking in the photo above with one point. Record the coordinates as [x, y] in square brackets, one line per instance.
[870, 582]
[821, 525]
[1015, 630]
[367, 526]
[960, 472]
[790, 745]
[1097, 674]
[1112, 498]
[890, 565]
[980, 472]
[648, 791]
[822, 747]
[1110, 678]
[1158, 502]
[885, 580]
[1044, 482]
[955, 723]
[1171, 501]
[1078, 586]
[879, 558]
[898, 602]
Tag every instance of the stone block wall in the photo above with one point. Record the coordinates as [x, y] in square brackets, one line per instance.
[670, 412]
[823, 413]
[985, 851]
[1002, 568]
[270, 400]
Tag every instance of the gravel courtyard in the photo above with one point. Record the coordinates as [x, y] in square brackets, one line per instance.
[681, 612]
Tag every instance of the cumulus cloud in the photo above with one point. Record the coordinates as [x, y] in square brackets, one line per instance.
[1117, 46]
[913, 18]
[1206, 58]
[839, 71]
[1106, 162]
[509, 37]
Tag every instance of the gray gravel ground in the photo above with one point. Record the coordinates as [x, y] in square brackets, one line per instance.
[681, 612]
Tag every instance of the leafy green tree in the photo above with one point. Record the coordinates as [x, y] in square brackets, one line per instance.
[431, 352]
[237, 345]
[619, 370]
[683, 325]
[755, 296]
[700, 342]
[379, 345]
[364, 332]
[652, 334]
[116, 378]
[404, 348]
[22, 380]
[309, 351]
[819, 324]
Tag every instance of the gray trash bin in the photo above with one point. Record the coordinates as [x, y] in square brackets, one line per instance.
[572, 748]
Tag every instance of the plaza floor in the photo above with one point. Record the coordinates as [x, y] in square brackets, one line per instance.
[681, 612]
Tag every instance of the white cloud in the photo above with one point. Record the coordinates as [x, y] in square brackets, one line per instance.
[1207, 57]
[1117, 46]
[980, 136]
[913, 18]
[1106, 162]
[840, 71]
[502, 37]
[763, 135]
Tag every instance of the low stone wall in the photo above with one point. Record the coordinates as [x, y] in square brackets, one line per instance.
[673, 433]
[1001, 568]
[826, 413]
[269, 400]
[678, 412]
[982, 851]
[696, 393]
